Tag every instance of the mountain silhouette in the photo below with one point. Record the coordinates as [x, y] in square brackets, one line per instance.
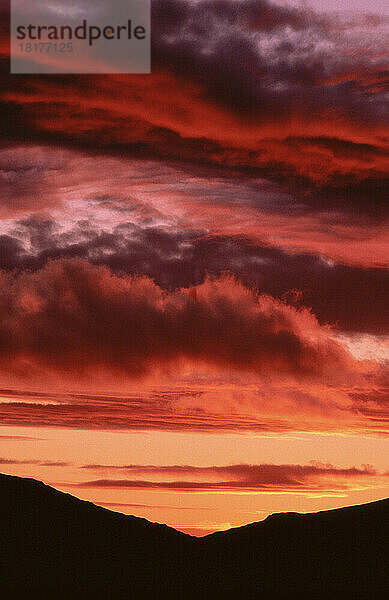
[53, 541]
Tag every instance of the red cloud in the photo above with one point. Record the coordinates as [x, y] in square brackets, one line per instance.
[72, 318]
[314, 478]
[217, 97]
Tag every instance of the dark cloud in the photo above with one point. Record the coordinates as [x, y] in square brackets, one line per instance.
[239, 88]
[255, 473]
[220, 45]
[184, 258]
[315, 477]
[73, 316]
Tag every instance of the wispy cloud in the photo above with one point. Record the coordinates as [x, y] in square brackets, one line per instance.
[315, 479]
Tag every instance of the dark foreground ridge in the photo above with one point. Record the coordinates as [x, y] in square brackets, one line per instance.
[51, 540]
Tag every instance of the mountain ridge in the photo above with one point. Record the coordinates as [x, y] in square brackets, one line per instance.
[51, 540]
[272, 516]
[51, 488]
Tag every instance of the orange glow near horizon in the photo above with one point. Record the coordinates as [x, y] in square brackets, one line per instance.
[197, 512]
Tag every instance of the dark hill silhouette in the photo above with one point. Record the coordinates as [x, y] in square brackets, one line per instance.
[53, 541]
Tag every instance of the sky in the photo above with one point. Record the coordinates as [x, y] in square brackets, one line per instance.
[194, 267]
[378, 7]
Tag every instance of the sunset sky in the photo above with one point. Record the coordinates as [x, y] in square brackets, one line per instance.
[194, 306]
